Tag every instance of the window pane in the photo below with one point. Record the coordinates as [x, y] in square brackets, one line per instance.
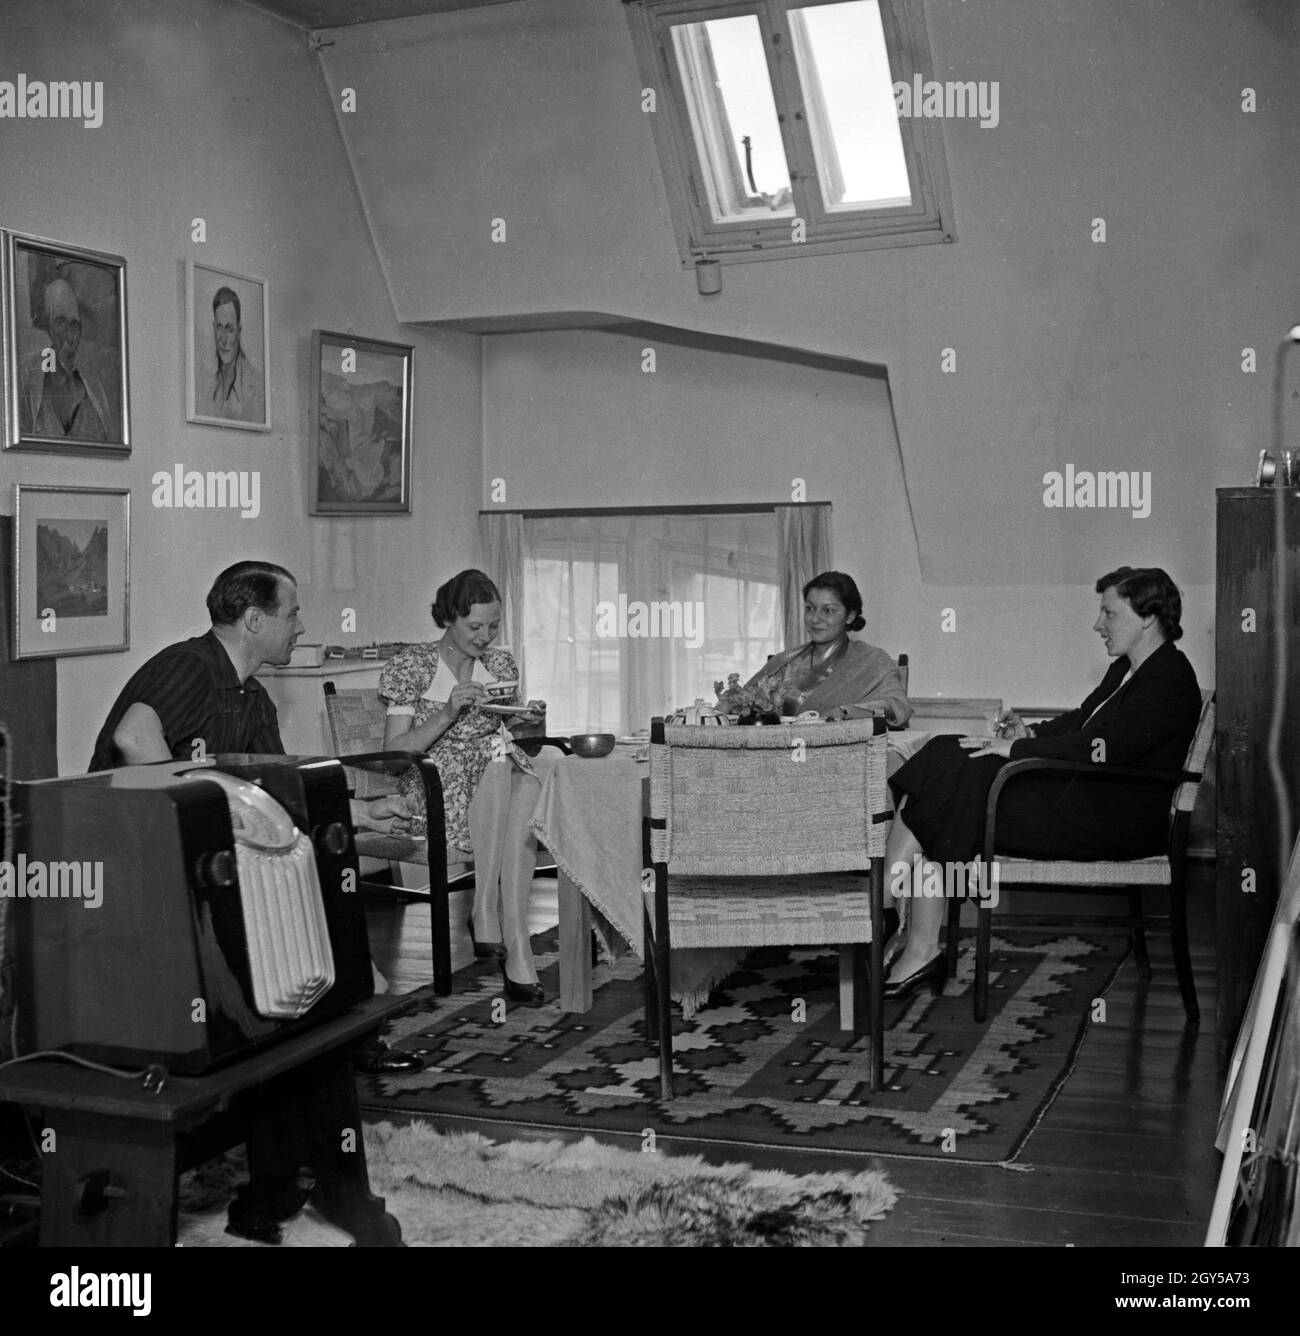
[851, 112]
[733, 118]
[628, 616]
[577, 675]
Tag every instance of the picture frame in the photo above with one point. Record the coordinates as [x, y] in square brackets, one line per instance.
[72, 570]
[227, 347]
[359, 443]
[65, 360]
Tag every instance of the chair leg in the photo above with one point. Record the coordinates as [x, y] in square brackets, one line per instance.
[983, 943]
[1138, 933]
[664, 1002]
[440, 930]
[876, 975]
[1178, 935]
[848, 990]
[954, 935]
[649, 989]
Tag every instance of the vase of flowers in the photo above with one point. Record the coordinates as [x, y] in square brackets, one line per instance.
[751, 705]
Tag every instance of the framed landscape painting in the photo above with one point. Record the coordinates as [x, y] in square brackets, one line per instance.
[65, 354]
[72, 570]
[359, 446]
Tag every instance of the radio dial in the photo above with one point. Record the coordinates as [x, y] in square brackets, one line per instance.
[333, 838]
[218, 869]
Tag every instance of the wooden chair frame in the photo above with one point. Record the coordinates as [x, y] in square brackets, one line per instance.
[1075, 873]
[433, 851]
[855, 972]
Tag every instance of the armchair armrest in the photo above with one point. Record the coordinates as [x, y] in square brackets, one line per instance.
[394, 762]
[386, 762]
[1093, 770]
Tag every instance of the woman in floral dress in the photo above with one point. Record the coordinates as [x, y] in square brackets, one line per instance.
[434, 694]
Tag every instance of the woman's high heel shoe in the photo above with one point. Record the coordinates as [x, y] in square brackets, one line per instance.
[526, 994]
[934, 972]
[485, 950]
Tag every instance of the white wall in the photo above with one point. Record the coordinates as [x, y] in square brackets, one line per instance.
[214, 110]
[1125, 354]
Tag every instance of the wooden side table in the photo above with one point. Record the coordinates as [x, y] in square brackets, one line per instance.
[110, 1179]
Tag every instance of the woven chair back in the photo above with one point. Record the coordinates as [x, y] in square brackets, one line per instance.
[1197, 756]
[356, 720]
[773, 801]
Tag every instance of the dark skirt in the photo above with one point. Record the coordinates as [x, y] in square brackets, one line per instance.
[1038, 816]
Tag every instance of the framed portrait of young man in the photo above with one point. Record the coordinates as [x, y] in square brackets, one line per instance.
[227, 370]
[65, 353]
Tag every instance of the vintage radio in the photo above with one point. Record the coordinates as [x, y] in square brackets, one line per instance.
[186, 914]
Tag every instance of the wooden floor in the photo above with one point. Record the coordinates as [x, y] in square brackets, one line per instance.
[1124, 1157]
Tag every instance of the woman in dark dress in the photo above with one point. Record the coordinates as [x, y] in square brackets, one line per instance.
[1143, 713]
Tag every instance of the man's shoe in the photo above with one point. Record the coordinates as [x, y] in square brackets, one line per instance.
[380, 1060]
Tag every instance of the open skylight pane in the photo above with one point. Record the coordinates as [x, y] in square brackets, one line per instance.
[851, 112]
[733, 118]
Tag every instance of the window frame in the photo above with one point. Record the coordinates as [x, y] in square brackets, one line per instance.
[928, 220]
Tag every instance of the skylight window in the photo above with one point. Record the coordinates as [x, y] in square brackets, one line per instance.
[778, 125]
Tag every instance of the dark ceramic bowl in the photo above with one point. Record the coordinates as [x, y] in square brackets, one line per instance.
[592, 744]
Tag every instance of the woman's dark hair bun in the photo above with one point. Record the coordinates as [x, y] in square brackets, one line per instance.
[1150, 593]
[845, 588]
[459, 595]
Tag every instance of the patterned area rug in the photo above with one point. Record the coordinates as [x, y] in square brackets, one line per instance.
[765, 1063]
[465, 1191]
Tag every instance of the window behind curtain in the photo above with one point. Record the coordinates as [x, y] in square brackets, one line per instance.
[628, 616]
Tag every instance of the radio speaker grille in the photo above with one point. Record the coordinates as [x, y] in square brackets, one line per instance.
[289, 954]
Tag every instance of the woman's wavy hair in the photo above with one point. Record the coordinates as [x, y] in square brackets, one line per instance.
[459, 595]
[844, 589]
[1150, 593]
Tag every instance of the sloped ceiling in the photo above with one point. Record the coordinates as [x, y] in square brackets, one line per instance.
[344, 13]
[509, 175]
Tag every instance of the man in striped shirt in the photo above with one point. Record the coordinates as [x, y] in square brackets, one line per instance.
[201, 697]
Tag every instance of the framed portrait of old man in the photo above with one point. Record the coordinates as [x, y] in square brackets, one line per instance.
[65, 354]
[228, 319]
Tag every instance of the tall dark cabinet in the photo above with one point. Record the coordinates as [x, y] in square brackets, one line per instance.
[1244, 668]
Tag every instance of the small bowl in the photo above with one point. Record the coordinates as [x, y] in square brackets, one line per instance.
[592, 744]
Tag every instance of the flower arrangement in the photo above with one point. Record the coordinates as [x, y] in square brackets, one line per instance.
[749, 704]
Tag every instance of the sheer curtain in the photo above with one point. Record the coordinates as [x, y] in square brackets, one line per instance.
[501, 534]
[631, 615]
[804, 550]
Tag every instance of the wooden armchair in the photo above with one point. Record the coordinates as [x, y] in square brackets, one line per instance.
[744, 825]
[357, 718]
[1121, 877]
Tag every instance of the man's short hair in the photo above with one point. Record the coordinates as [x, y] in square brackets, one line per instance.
[246, 584]
[227, 297]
